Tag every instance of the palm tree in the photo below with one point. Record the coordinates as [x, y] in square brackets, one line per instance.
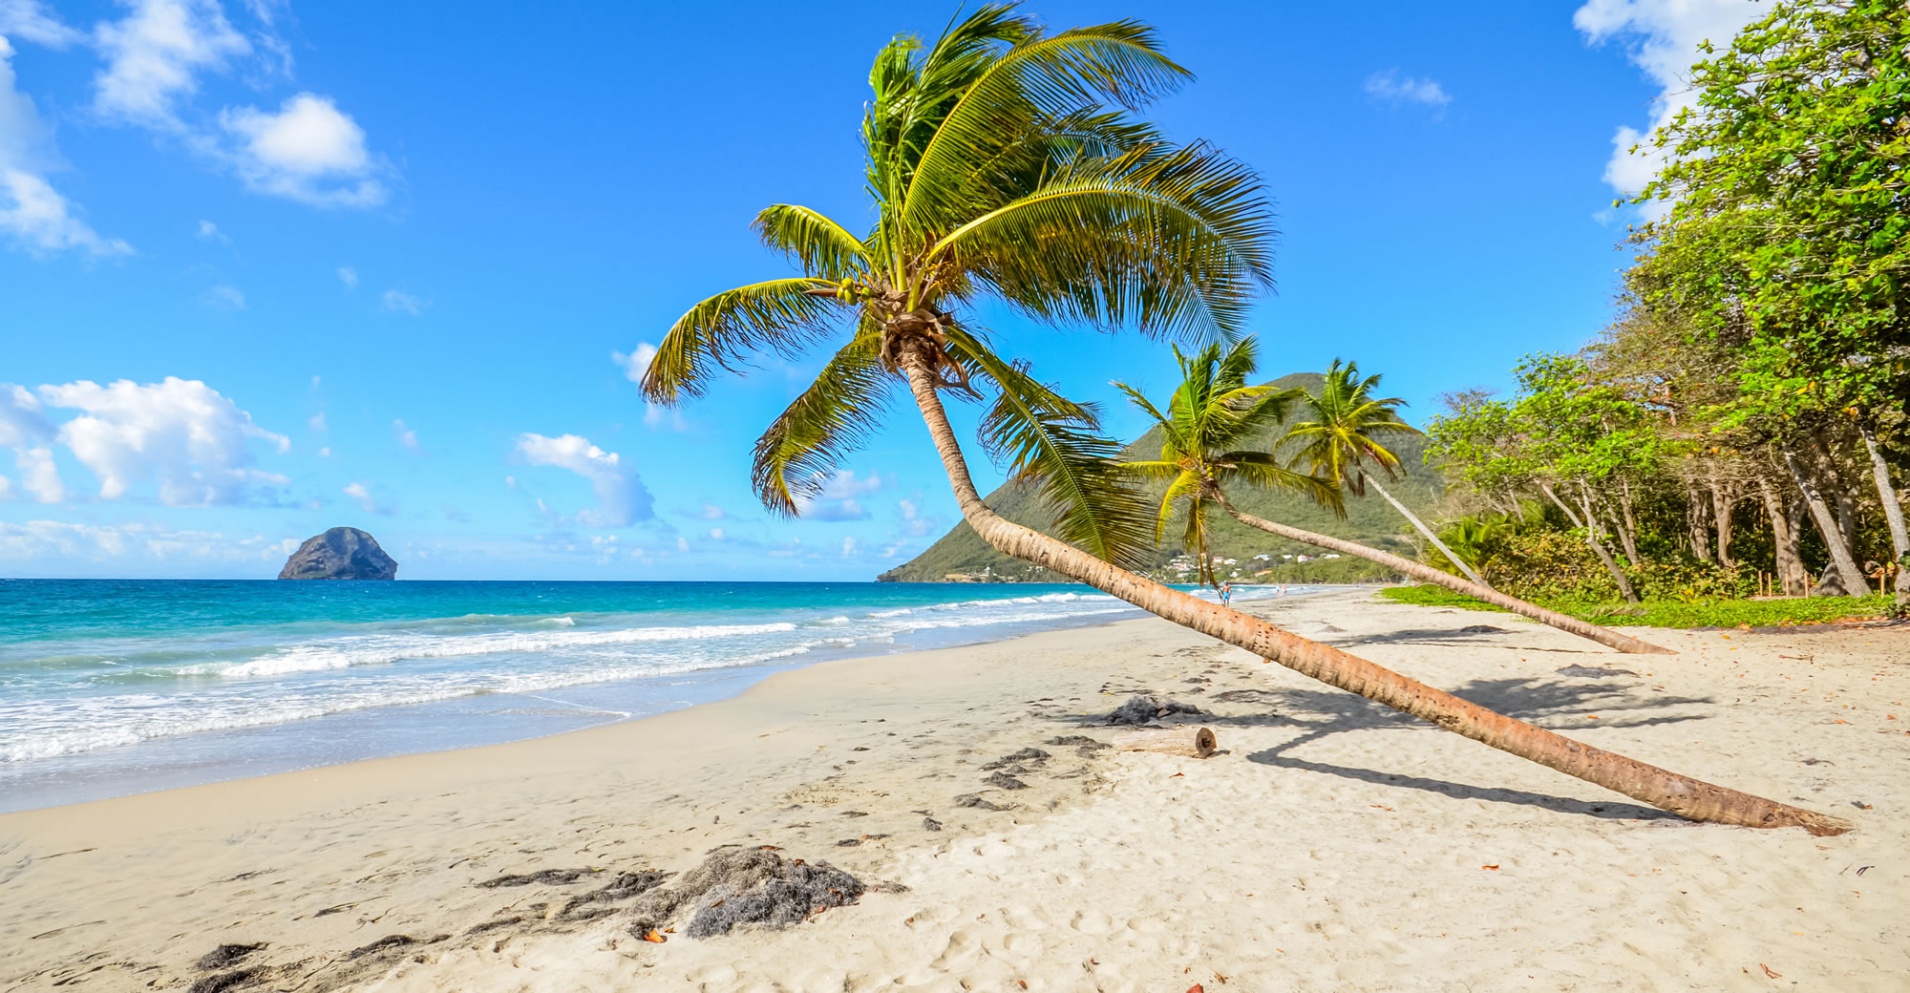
[1212, 416]
[1214, 411]
[1348, 422]
[997, 167]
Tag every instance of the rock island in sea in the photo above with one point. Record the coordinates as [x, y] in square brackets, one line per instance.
[340, 553]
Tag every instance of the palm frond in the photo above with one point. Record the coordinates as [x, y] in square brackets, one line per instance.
[1051, 76]
[819, 245]
[827, 421]
[1263, 470]
[1164, 240]
[779, 315]
[1056, 444]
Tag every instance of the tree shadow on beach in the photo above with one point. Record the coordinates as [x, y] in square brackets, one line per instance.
[1326, 713]
[1467, 636]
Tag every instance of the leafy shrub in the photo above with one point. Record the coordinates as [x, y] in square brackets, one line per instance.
[1549, 565]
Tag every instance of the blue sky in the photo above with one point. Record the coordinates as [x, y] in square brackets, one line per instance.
[268, 268]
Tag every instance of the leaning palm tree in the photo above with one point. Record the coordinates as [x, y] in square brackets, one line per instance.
[1206, 440]
[1346, 434]
[1003, 162]
[1214, 412]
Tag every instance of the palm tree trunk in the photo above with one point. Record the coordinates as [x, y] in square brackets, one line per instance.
[1686, 797]
[1590, 526]
[1426, 573]
[1850, 577]
[1424, 530]
[1892, 513]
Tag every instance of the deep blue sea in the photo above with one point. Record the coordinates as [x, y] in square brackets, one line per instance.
[110, 687]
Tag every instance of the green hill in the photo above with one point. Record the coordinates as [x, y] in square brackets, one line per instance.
[1369, 520]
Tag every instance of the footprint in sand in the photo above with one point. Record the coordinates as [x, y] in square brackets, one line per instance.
[1090, 922]
[719, 973]
[962, 946]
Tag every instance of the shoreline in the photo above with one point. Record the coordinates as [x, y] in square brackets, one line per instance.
[1329, 847]
[452, 723]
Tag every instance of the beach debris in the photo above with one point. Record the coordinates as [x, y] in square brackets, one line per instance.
[1012, 761]
[1593, 672]
[931, 824]
[624, 887]
[745, 886]
[390, 942]
[849, 843]
[1768, 972]
[654, 936]
[1189, 741]
[224, 981]
[1481, 629]
[1085, 746]
[492, 925]
[1004, 781]
[225, 955]
[1148, 708]
[972, 800]
[544, 877]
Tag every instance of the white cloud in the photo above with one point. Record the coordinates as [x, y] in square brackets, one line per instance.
[186, 436]
[223, 297]
[317, 423]
[325, 453]
[309, 151]
[209, 231]
[716, 533]
[636, 363]
[621, 496]
[1662, 38]
[405, 435]
[848, 546]
[1391, 87]
[837, 498]
[400, 302]
[154, 55]
[70, 549]
[711, 512]
[25, 429]
[362, 494]
[29, 20]
[32, 213]
[682, 543]
[348, 276]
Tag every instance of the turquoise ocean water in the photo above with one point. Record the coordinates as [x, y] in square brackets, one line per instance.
[110, 687]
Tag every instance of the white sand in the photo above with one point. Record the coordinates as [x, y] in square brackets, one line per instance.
[1333, 846]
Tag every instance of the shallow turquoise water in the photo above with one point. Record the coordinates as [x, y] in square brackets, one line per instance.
[111, 686]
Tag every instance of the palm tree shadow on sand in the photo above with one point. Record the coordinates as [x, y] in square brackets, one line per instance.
[1528, 698]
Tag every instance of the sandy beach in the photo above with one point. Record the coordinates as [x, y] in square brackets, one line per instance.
[1330, 846]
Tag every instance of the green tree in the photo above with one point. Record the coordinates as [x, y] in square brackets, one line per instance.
[1211, 419]
[1344, 438]
[1213, 415]
[996, 168]
[1792, 169]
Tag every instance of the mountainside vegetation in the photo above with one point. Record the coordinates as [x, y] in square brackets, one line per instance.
[962, 556]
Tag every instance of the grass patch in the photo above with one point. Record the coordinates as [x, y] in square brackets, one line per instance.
[1679, 613]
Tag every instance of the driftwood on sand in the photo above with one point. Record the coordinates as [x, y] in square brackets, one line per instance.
[1189, 741]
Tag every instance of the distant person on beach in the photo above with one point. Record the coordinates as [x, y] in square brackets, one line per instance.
[1226, 594]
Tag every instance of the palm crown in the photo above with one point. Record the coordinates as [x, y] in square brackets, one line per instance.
[1213, 414]
[1343, 434]
[1002, 162]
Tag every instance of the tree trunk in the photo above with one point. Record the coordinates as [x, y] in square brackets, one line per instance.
[1420, 525]
[1627, 525]
[1695, 522]
[1789, 562]
[1686, 797]
[1590, 526]
[1721, 508]
[1892, 513]
[1848, 574]
[1426, 573]
[1794, 514]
